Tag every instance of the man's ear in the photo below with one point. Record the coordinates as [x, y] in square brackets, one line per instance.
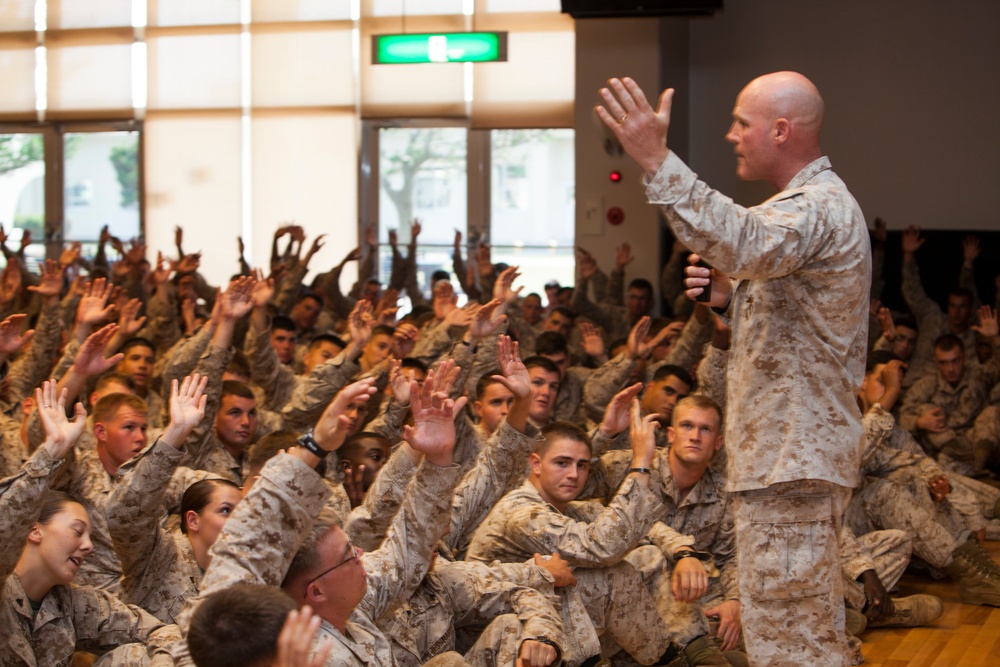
[670, 434]
[536, 464]
[719, 442]
[314, 594]
[100, 431]
[781, 131]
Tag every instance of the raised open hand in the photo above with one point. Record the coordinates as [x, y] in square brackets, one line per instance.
[90, 361]
[515, 375]
[187, 401]
[912, 240]
[60, 433]
[332, 428]
[51, 280]
[617, 415]
[11, 338]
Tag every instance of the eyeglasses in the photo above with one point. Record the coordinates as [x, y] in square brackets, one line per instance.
[354, 556]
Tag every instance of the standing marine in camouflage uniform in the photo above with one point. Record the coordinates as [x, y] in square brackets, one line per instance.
[794, 433]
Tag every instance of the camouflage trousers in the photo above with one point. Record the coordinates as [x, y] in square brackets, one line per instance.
[613, 605]
[498, 645]
[881, 504]
[791, 587]
[890, 550]
[685, 620]
[126, 655]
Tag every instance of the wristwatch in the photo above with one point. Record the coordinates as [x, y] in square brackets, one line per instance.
[307, 441]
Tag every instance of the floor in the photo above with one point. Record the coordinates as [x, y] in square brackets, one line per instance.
[964, 636]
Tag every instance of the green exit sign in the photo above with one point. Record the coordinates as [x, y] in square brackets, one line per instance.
[447, 47]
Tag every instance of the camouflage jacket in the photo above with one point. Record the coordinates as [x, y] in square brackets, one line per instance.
[796, 358]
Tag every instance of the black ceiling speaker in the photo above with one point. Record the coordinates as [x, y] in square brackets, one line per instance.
[592, 9]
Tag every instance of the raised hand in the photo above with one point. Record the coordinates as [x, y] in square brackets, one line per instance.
[60, 433]
[482, 320]
[90, 361]
[641, 130]
[460, 317]
[586, 265]
[617, 415]
[636, 337]
[503, 287]
[593, 342]
[386, 308]
[371, 236]
[354, 483]
[262, 290]
[399, 384]
[887, 323]
[189, 263]
[70, 255]
[332, 428]
[11, 338]
[403, 340]
[912, 240]
[698, 278]
[415, 228]
[236, 301]
[296, 638]
[51, 280]
[642, 433]
[444, 299]
[988, 325]
[187, 402]
[515, 375]
[161, 272]
[317, 244]
[129, 322]
[360, 323]
[623, 256]
[970, 250]
[433, 430]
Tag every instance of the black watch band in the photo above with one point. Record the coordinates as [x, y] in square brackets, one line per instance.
[307, 441]
[688, 553]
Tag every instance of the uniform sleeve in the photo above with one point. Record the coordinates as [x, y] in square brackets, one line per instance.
[133, 511]
[312, 395]
[211, 365]
[752, 243]
[500, 466]
[19, 505]
[369, 522]
[604, 541]
[266, 370]
[397, 567]
[29, 370]
[102, 622]
[928, 313]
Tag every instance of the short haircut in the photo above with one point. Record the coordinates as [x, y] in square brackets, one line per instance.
[383, 330]
[699, 401]
[486, 381]
[440, 274]
[551, 342]
[532, 294]
[283, 323]
[137, 342]
[268, 447]
[355, 443]
[562, 429]
[641, 283]
[413, 363]
[308, 557]
[326, 338]
[541, 362]
[907, 321]
[949, 342]
[878, 357]
[110, 404]
[310, 295]
[564, 290]
[114, 377]
[239, 364]
[238, 626]
[564, 311]
[663, 372]
[960, 292]
[197, 496]
[236, 388]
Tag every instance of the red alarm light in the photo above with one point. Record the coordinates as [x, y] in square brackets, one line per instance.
[615, 176]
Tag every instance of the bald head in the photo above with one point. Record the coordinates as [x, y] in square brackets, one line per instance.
[776, 127]
[790, 95]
